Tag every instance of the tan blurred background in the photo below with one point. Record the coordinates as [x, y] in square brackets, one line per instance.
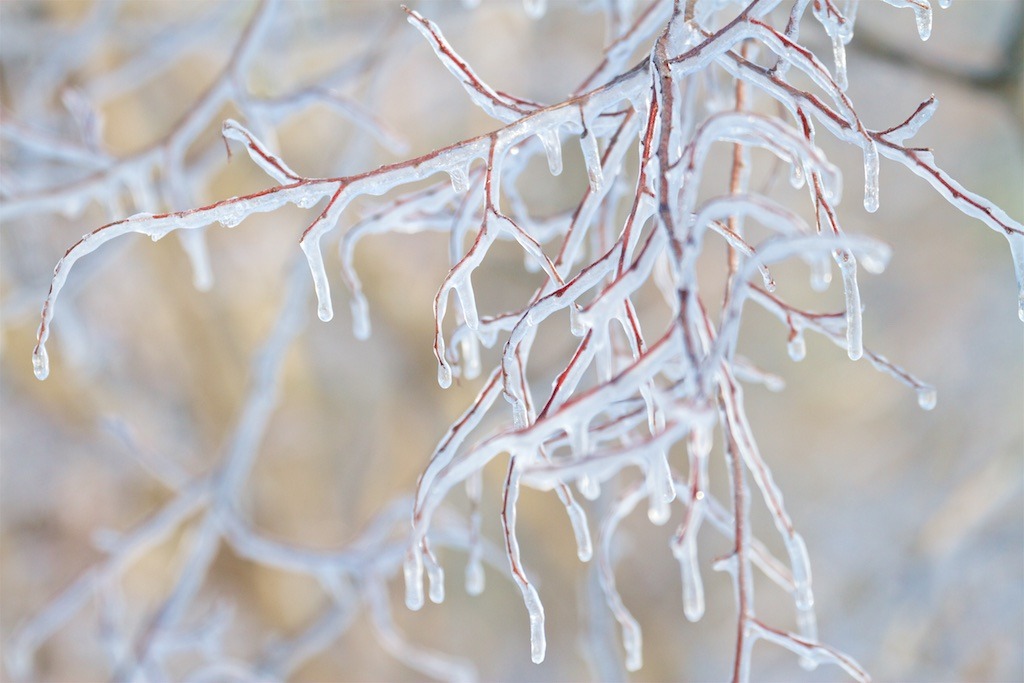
[914, 520]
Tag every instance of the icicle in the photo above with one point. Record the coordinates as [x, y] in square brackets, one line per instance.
[470, 353]
[194, 244]
[796, 346]
[801, 566]
[1016, 241]
[923, 16]
[444, 375]
[850, 11]
[871, 177]
[874, 261]
[837, 32]
[693, 585]
[588, 486]
[460, 178]
[632, 643]
[578, 519]
[807, 624]
[538, 643]
[535, 9]
[660, 490]
[311, 248]
[652, 409]
[944, 4]
[553, 149]
[796, 174]
[474, 575]
[467, 299]
[854, 333]
[592, 158]
[839, 55]
[701, 440]
[40, 362]
[413, 570]
[360, 317]
[231, 216]
[577, 321]
[821, 274]
[140, 189]
[927, 397]
[658, 511]
[435, 579]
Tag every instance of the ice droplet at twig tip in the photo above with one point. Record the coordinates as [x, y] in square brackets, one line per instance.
[413, 570]
[40, 362]
[796, 346]
[444, 375]
[927, 397]
[324, 308]
[475, 580]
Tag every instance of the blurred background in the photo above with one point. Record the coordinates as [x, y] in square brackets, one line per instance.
[914, 520]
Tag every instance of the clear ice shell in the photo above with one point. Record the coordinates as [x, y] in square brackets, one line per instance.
[927, 397]
[40, 362]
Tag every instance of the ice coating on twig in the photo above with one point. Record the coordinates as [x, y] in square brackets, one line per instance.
[1016, 240]
[909, 128]
[632, 639]
[631, 391]
[271, 164]
[500, 107]
[693, 585]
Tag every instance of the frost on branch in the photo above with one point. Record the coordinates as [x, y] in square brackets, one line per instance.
[633, 415]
